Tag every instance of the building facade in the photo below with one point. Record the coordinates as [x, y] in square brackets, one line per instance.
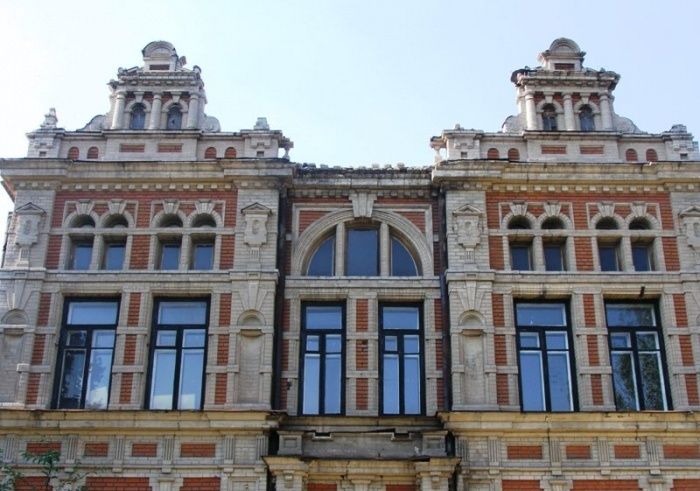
[187, 309]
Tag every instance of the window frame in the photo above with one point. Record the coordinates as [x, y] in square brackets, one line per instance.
[180, 328]
[521, 244]
[90, 328]
[400, 333]
[109, 243]
[541, 331]
[614, 244]
[83, 242]
[560, 245]
[648, 247]
[354, 228]
[304, 333]
[168, 242]
[632, 330]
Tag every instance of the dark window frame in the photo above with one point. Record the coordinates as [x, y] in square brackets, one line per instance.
[137, 124]
[521, 245]
[180, 328]
[202, 241]
[615, 245]
[90, 328]
[560, 244]
[631, 330]
[542, 331]
[110, 242]
[80, 242]
[648, 247]
[168, 242]
[400, 333]
[322, 362]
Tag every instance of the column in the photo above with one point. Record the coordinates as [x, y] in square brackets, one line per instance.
[193, 112]
[606, 112]
[118, 114]
[626, 254]
[537, 254]
[530, 111]
[340, 249]
[156, 106]
[569, 122]
[384, 250]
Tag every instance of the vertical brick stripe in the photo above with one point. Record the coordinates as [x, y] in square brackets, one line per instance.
[439, 321]
[670, 246]
[691, 387]
[38, 349]
[439, 355]
[584, 254]
[361, 354]
[228, 244]
[222, 348]
[130, 349]
[597, 389]
[361, 394]
[285, 354]
[502, 395]
[53, 252]
[589, 310]
[125, 389]
[686, 350]
[496, 259]
[286, 320]
[33, 382]
[220, 388]
[225, 309]
[498, 310]
[133, 316]
[593, 356]
[681, 312]
[440, 384]
[42, 319]
[500, 347]
[361, 314]
[139, 251]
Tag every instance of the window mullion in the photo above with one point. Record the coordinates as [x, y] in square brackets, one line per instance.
[322, 373]
[179, 351]
[401, 354]
[86, 366]
[544, 353]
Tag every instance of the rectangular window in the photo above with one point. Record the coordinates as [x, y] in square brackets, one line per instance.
[322, 359]
[401, 359]
[202, 255]
[642, 257]
[81, 254]
[178, 354]
[637, 357]
[85, 353]
[521, 256]
[554, 257]
[114, 255]
[545, 358]
[362, 252]
[170, 254]
[609, 256]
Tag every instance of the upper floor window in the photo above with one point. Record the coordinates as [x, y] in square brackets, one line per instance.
[85, 353]
[362, 252]
[585, 117]
[520, 247]
[637, 357]
[114, 243]
[400, 343]
[322, 359]
[545, 358]
[81, 243]
[549, 118]
[178, 349]
[174, 121]
[138, 117]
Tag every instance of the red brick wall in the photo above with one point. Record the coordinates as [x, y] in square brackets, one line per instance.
[502, 389]
[686, 485]
[597, 389]
[361, 314]
[222, 349]
[33, 388]
[520, 452]
[626, 451]
[361, 354]
[37, 448]
[498, 310]
[321, 486]
[125, 389]
[691, 386]
[681, 451]
[589, 310]
[134, 309]
[30, 483]
[144, 449]
[578, 452]
[362, 394]
[606, 485]
[681, 312]
[220, 388]
[520, 485]
[96, 449]
[117, 484]
[197, 449]
[201, 484]
[225, 309]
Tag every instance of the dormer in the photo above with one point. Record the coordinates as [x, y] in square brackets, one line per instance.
[160, 56]
[564, 54]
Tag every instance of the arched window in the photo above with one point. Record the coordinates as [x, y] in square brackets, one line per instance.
[116, 221]
[203, 243]
[519, 223]
[606, 223]
[93, 153]
[81, 243]
[585, 117]
[402, 263]
[513, 154]
[83, 221]
[230, 153]
[138, 117]
[210, 153]
[170, 244]
[609, 250]
[323, 260]
[73, 153]
[204, 220]
[170, 221]
[631, 155]
[652, 155]
[549, 118]
[493, 154]
[114, 244]
[552, 223]
[640, 223]
[174, 121]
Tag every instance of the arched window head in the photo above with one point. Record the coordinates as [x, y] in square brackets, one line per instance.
[210, 153]
[519, 223]
[652, 155]
[83, 221]
[549, 117]
[631, 155]
[606, 223]
[174, 121]
[585, 118]
[74, 153]
[552, 223]
[493, 154]
[230, 153]
[513, 154]
[116, 221]
[640, 223]
[170, 221]
[323, 260]
[93, 153]
[204, 220]
[402, 262]
[138, 117]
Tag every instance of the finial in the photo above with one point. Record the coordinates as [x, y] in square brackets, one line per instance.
[261, 125]
[50, 120]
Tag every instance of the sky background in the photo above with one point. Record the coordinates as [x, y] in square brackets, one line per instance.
[351, 83]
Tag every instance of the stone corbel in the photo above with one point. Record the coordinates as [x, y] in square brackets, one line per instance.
[362, 203]
[255, 217]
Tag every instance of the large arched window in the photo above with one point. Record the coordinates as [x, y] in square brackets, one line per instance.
[138, 117]
[174, 121]
[585, 117]
[549, 118]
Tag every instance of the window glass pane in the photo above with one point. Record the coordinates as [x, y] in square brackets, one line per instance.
[92, 313]
[362, 257]
[641, 257]
[174, 121]
[324, 317]
[624, 382]
[652, 385]
[72, 379]
[333, 344]
[166, 338]
[203, 256]
[529, 340]
[332, 384]
[82, 255]
[608, 258]
[400, 318]
[556, 340]
[76, 338]
[391, 343]
[193, 338]
[402, 263]
[323, 259]
[182, 313]
[170, 256]
[520, 257]
[559, 382]
[114, 256]
[541, 314]
[191, 370]
[647, 341]
[553, 257]
[138, 118]
[103, 339]
[390, 384]
[620, 340]
[163, 379]
[98, 379]
[532, 381]
[312, 343]
[411, 383]
[311, 383]
[630, 315]
[411, 344]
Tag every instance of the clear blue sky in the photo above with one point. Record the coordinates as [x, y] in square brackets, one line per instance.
[350, 83]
